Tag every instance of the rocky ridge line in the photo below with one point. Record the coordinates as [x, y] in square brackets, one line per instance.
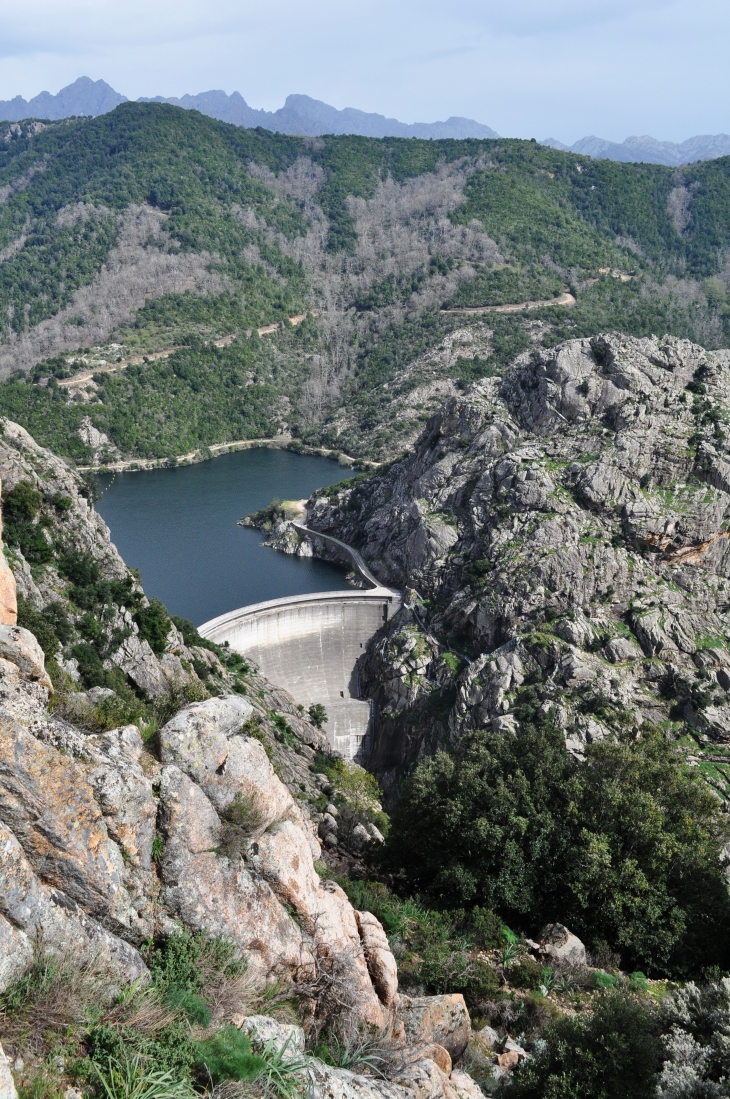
[567, 528]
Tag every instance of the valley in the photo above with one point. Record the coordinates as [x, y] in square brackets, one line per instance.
[499, 864]
[383, 248]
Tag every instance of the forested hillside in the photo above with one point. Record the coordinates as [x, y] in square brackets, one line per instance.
[152, 228]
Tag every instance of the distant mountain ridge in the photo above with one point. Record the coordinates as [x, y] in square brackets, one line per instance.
[300, 114]
[83, 97]
[305, 116]
[648, 150]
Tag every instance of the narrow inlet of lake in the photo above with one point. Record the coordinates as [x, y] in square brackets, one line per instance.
[178, 527]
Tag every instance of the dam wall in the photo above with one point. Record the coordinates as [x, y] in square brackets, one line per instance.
[310, 645]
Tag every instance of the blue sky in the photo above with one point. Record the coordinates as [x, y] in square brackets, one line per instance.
[528, 68]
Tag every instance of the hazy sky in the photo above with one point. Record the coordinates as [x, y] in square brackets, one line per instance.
[528, 68]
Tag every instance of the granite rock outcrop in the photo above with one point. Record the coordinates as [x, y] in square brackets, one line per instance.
[564, 533]
[110, 840]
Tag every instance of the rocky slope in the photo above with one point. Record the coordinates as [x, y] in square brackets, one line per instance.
[114, 835]
[564, 533]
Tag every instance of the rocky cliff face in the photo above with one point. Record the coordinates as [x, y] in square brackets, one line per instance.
[564, 535]
[112, 837]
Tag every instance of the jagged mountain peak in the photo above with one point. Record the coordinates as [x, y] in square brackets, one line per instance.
[648, 149]
[84, 97]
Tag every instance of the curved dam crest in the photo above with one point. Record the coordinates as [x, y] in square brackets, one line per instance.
[310, 645]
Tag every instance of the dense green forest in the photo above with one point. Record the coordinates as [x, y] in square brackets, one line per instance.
[151, 227]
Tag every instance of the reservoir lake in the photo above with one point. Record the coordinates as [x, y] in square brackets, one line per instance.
[178, 527]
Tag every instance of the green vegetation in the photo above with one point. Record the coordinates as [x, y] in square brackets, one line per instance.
[439, 951]
[611, 1051]
[557, 219]
[505, 285]
[623, 847]
[239, 821]
[355, 792]
[227, 1056]
[317, 714]
[156, 1042]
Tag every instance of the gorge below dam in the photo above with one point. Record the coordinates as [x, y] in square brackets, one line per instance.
[296, 618]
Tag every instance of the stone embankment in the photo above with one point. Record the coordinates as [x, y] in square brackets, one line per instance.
[99, 441]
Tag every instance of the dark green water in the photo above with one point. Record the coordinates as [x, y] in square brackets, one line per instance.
[178, 527]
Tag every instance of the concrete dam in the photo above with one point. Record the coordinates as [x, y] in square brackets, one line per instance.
[310, 645]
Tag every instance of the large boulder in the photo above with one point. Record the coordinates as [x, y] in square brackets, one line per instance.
[249, 892]
[124, 794]
[283, 857]
[20, 647]
[7, 1085]
[205, 740]
[339, 1083]
[207, 891]
[262, 1029]
[425, 1078]
[137, 660]
[464, 1086]
[443, 1020]
[561, 946]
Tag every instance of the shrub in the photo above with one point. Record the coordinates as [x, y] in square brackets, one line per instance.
[317, 714]
[525, 973]
[608, 1053]
[168, 1046]
[189, 1004]
[285, 1072]
[191, 637]
[446, 970]
[166, 706]
[114, 711]
[238, 822]
[624, 846]
[40, 623]
[21, 506]
[133, 1078]
[489, 931]
[227, 1056]
[188, 961]
[695, 1023]
[51, 997]
[154, 625]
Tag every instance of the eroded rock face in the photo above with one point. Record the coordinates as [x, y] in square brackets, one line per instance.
[205, 890]
[31, 910]
[48, 802]
[19, 647]
[213, 769]
[440, 1020]
[588, 495]
[380, 960]
[78, 817]
[338, 1083]
[8, 588]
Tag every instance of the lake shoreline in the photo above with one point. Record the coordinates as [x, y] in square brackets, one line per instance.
[205, 454]
[179, 526]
